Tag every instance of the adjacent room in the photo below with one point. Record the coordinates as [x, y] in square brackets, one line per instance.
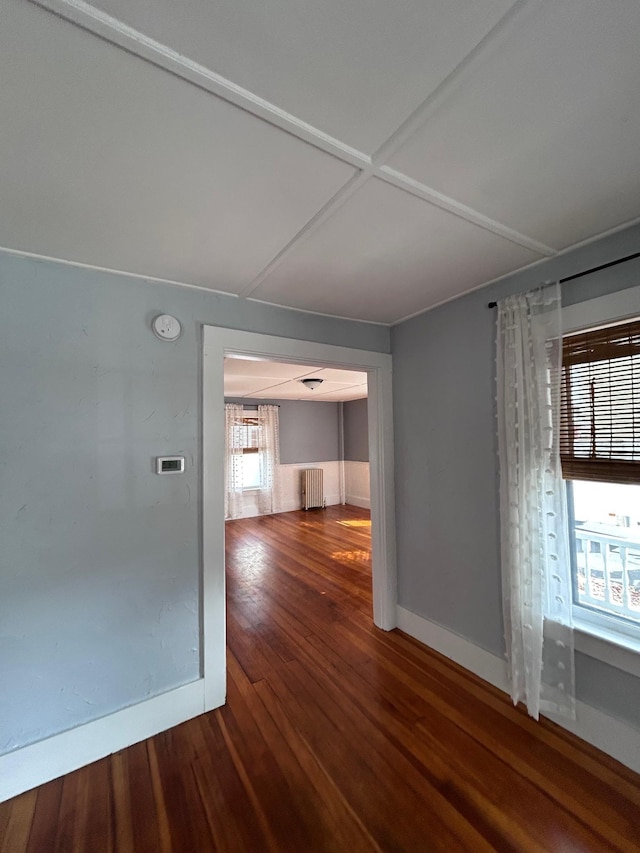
[319, 435]
[315, 420]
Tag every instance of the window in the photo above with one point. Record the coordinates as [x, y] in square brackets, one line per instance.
[247, 435]
[251, 458]
[600, 452]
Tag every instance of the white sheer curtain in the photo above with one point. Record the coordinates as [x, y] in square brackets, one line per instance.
[233, 464]
[269, 494]
[536, 571]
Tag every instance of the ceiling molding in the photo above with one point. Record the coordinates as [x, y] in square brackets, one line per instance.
[121, 35]
[406, 184]
[386, 325]
[457, 208]
[36, 256]
[469, 290]
[116, 32]
[86, 17]
[610, 232]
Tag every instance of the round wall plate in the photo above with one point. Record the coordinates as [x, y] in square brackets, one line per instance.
[166, 327]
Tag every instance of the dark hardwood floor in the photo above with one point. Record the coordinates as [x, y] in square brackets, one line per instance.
[336, 736]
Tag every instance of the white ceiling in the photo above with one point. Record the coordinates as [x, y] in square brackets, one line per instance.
[268, 380]
[367, 159]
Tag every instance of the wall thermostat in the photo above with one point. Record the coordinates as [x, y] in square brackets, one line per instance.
[169, 464]
[166, 327]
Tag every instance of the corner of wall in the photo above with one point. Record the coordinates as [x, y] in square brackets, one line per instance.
[603, 731]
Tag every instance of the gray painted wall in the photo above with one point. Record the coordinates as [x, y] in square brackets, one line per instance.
[308, 430]
[356, 436]
[446, 462]
[99, 565]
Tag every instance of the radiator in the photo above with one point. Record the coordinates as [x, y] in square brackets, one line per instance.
[312, 488]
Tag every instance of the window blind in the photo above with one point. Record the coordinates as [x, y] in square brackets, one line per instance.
[600, 405]
[247, 434]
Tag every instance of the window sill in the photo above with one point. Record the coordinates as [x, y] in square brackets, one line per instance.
[608, 646]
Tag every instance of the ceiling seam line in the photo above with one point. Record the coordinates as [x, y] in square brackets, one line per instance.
[459, 209]
[121, 35]
[321, 216]
[420, 115]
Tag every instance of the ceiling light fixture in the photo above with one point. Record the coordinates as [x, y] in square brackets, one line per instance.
[312, 384]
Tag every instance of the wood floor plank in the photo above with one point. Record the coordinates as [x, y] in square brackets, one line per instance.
[357, 772]
[122, 802]
[336, 737]
[187, 823]
[162, 816]
[287, 809]
[515, 736]
[100, 836]
[262, 795]
[589, 757]
[45, 819]
[344, 822]
[439, 774]
[492, 778]
[328, 822]
[232, 815]
[72, 817]
[146, 822]
[17, 826]
[503, 733]
[399, 789]
[362, 761]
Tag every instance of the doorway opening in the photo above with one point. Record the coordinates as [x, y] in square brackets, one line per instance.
[218, 344]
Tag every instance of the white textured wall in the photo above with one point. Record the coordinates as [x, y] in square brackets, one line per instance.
[356, 484]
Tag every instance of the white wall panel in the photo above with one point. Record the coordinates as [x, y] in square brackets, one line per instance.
[289, 479]
[356, 482]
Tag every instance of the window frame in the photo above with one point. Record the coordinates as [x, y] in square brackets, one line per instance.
[250, 415]
[608, 638]
[590, 614]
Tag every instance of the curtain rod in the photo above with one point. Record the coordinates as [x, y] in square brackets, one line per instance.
[588, 272]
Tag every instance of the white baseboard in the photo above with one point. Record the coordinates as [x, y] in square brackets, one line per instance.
[250, 512]
[55, 756]
[609, 734]
[481, 662]
[357, 500]
[291, 505]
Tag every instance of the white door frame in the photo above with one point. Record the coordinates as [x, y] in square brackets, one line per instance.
[218, 342]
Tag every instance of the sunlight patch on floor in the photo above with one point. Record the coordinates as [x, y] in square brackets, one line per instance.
[351, 556]
[356, 522]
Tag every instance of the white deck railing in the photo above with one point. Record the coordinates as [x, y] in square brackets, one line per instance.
[609, 580]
